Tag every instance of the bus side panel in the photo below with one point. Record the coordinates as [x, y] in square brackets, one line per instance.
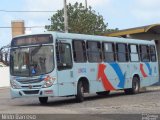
[134, 70]
[155, 73]
[92, 74]
[79, 71]
[149, 73]
[115, 75]
[108, 76]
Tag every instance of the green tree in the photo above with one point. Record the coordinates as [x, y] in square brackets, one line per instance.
[80, 20]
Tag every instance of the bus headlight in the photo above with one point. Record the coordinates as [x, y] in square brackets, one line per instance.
[48, 82]
[14, 85]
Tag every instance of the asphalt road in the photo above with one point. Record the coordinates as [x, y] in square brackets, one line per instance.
[116, 103]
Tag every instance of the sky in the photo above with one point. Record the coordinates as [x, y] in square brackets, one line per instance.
[120, 14]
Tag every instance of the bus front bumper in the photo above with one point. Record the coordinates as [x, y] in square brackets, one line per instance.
[43, 92]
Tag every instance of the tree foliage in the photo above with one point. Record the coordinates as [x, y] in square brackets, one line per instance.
[80, 20]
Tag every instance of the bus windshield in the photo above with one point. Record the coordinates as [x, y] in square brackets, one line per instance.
[32, 61]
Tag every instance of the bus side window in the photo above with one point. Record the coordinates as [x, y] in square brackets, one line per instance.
[79, 51]
[108, 52]
[94, 51]
[122, 52]
[153, 53]
[134, 56]
[144, 53]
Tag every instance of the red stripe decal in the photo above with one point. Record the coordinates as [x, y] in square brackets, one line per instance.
[142, 71]
[101, 75]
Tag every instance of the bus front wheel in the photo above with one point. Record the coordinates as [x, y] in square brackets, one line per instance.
[43, 100]
[80, 92]
[135, 87]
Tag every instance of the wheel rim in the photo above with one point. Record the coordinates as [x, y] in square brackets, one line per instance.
[135, 86]
[82, 90]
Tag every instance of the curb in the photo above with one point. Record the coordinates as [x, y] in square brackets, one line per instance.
[152, 88]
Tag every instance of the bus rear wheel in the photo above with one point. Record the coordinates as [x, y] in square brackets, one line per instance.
[103, 93]
[80, 92]
[43, 100]
[135, 87]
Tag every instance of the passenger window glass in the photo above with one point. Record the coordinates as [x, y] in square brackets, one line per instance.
[133, 48]
[108, 52]
[153, 54]
[144, 53]
[79, 51]
[134, 53]
[122, 53]
[94, 51]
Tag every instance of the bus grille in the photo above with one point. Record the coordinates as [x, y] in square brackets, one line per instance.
[34, 86]
[29, 81]
[31, 92]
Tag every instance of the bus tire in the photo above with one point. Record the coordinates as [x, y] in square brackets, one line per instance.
[43, 100]
[80, 92]
[135, 87]
[103, 93]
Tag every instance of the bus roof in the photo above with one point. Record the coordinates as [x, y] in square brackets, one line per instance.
[94, 38]
[101, 38]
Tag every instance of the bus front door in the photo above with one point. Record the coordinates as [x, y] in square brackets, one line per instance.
[66, 84]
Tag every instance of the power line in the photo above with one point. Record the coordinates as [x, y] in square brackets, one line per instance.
[23, 27]
[14, 11]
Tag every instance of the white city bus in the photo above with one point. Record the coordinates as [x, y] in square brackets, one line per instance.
[64, 64]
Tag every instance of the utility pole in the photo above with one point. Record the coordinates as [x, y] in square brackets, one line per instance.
[86, 4]
[65, 17]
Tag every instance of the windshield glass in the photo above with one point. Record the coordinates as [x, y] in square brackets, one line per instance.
[32, 61]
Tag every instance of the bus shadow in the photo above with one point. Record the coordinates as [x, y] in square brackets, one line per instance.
[87, 98]
[62, 101]
[92, 97]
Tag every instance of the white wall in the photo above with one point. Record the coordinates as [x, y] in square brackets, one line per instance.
[4, 77]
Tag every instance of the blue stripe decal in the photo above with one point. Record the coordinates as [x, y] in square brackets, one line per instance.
[149, 68]
[119, 73]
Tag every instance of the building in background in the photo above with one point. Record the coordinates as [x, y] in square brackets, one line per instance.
[18, 27]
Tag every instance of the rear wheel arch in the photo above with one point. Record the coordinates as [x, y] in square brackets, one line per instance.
[85, 83]
[138, 78]
[135, 85]
[82, 87]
